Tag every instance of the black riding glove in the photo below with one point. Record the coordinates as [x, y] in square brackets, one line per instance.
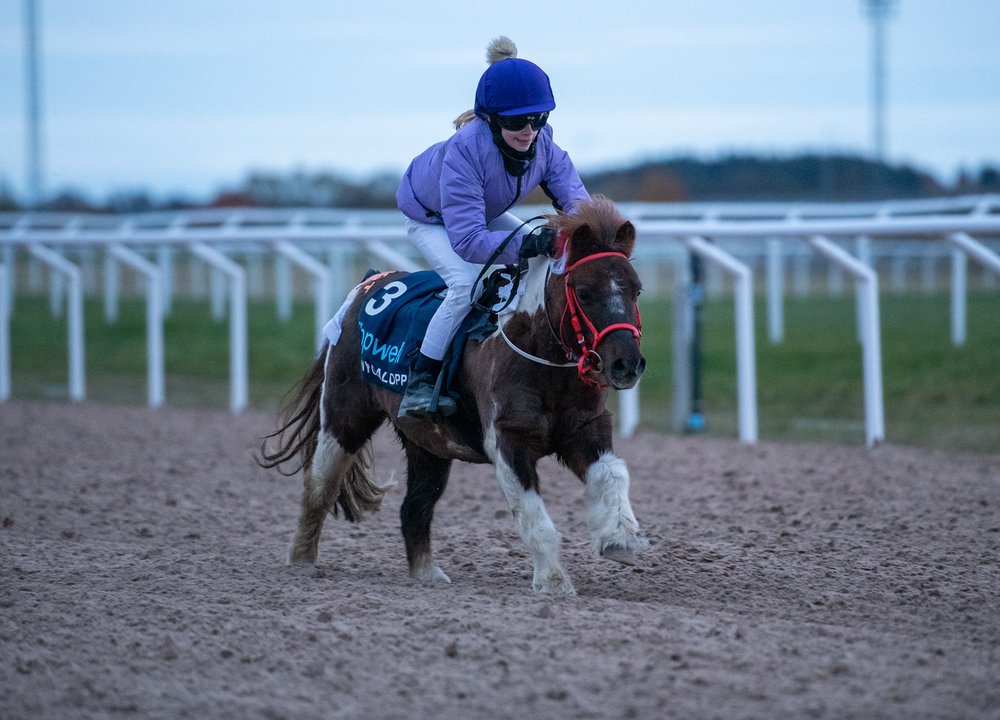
[538, 242]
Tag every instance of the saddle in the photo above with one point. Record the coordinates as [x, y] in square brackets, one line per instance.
[393, 318]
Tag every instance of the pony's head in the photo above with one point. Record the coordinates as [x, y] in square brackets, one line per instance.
[600, 318]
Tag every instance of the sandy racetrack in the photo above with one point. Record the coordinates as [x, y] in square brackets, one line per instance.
[142, 575]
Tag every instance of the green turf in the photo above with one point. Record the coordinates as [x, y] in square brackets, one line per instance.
[809, 386]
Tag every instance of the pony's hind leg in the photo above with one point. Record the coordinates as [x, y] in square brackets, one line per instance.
[336, 477]
[338, 471]
[426, 478]
[321, 487]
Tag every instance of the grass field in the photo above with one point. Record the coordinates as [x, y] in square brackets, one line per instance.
[809, 386]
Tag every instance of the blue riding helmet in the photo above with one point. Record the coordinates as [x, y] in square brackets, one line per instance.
[513, 87]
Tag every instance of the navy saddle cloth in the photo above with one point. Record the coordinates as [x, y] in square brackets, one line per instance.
[392, 321]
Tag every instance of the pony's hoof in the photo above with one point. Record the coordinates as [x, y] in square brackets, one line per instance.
[298, 556]
[620, 554]
[430, 574]
[555, 585]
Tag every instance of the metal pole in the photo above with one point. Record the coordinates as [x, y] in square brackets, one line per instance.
[967, 247]
[628, 411]
[154, 319]
[878, 80]
[63, 268]
[775, 291]
[321, 273]
[238, 358]
[878, 11]
[4, 335]
[871, 334]
[696, 420]
[682, 346]
[746, 366]
[34, 160]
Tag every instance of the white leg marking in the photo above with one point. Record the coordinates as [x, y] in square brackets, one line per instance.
[615, 530]
[321, 487]
[328, 466]
[537, 531]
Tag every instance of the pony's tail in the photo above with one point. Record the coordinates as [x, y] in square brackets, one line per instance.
[500, 48]
[299, 423]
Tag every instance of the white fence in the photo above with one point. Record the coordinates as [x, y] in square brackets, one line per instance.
[323, 243]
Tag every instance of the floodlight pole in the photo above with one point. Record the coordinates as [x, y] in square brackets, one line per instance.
[878, 12]
[34, 157]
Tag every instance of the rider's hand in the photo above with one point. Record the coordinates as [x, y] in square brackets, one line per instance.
[538, 242]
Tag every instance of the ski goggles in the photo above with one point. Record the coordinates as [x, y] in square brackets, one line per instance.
[513, 123]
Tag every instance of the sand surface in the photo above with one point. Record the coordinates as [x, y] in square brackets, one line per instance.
[142, 575]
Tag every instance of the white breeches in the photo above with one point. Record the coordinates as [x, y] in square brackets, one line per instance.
[458, 274]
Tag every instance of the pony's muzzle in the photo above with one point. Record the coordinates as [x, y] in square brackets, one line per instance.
[625, 372]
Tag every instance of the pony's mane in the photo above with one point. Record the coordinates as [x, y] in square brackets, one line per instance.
[600, 215]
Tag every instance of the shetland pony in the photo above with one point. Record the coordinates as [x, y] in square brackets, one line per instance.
[536, 386]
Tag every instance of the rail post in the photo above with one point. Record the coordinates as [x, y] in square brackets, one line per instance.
[964, 247]
[237, 321]
[869, 330]
[154, 320]
[64, 269]
[746, 365]
[4, 333]
[321, 282]
[775, 291]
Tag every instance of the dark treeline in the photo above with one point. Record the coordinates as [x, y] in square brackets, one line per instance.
[806, 177]
[831, 178]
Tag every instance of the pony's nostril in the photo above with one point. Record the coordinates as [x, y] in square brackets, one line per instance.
[627, 372]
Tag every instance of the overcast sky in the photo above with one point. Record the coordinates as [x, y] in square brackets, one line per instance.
[188, 95]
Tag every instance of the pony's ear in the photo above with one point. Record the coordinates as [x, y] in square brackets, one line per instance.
[625, 238]
[584, 242]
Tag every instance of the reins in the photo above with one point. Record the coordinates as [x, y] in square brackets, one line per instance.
[515, 278]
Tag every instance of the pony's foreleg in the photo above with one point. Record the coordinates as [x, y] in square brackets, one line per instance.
[321, 488]
[537, 530]
[426, 478]
[613, 525]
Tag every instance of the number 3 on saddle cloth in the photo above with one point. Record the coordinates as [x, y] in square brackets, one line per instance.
[392, 321]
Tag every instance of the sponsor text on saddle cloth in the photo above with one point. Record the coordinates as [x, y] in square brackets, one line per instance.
[392, 323]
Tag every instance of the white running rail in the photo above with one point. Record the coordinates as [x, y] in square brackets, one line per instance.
[718, 232]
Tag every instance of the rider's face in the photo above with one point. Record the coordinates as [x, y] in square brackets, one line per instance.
[521, 139]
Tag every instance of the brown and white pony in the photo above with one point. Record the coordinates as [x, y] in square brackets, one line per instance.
[535, 387]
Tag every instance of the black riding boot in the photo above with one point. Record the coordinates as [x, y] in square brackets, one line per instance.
[420, 391]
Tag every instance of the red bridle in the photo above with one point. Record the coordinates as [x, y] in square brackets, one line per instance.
[589, 358]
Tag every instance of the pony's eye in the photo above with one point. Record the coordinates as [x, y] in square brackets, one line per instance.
[583, 295]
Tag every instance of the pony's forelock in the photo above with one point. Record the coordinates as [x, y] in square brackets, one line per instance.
[600, 215]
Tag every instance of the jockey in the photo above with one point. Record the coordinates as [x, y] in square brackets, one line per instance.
[456, 194]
